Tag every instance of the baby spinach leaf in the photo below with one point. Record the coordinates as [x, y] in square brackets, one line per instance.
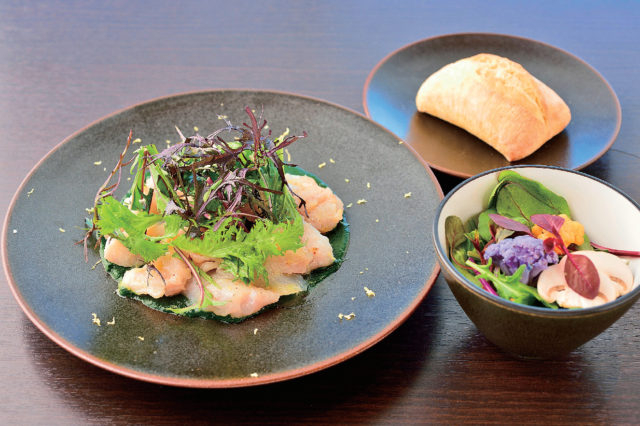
[454, 232]
[472, 223]
[519, 197]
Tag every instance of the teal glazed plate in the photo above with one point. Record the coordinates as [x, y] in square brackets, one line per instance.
[391, 196]
[391, 87]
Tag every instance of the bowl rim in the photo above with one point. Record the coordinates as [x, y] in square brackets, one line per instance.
[497, 300]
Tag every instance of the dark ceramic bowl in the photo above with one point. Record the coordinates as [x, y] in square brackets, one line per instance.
[610, 218]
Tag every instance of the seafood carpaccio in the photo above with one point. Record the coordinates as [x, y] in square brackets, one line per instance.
[218, 227]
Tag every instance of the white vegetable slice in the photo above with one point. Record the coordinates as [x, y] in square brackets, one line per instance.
[615, 276]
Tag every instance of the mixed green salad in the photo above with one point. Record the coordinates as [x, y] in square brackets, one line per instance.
[525, 247]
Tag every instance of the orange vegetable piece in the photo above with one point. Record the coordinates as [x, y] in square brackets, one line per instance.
[572, 232]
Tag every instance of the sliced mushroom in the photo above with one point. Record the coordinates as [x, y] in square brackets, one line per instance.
[615, 276]
[634, 265]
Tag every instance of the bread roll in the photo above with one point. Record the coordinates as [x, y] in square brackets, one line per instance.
[496, 100]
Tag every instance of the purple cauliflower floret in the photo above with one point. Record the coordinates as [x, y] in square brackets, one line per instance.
[510, 253]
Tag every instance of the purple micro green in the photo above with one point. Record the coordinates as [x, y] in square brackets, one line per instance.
[510, 224]
[199, 170]
[549, 222]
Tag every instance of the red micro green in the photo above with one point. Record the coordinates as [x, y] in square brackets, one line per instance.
[104, 191]
[579, 271]
[195, 275]
[616, 251]
[582, 276]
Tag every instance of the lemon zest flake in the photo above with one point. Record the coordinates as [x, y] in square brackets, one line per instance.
[61, 230]
[253, 375]
[332, 161]
[347, 180]
[30, 192]
[112, 322]
[349, 205]
[137, 140]
[321, 165]
[255, 331]
[141, 338]
[361, 201]
[347, 317]
[370, 293]
[407, 195]
[95, 320]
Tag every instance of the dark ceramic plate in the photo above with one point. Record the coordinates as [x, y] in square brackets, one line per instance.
[390, 249]
[390, 91]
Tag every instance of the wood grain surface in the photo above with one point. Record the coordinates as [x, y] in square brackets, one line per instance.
[65, 64]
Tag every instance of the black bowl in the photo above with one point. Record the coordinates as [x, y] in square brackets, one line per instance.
[533, 332]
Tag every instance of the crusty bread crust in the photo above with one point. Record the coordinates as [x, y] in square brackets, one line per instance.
[496, 100]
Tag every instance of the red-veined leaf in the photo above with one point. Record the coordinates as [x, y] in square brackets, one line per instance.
[582, 276]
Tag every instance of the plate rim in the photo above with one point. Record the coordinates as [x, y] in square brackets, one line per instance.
[195, 382]
[618, 108]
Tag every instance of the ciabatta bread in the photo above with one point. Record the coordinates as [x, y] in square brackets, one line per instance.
[496, 100]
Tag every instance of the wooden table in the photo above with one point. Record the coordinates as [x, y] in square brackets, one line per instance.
[65, 65]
